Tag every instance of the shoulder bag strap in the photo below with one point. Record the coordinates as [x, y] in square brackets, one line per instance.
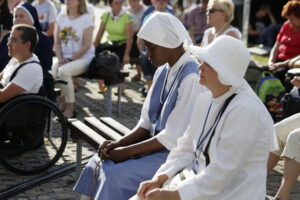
[19, 67]
[205, 153]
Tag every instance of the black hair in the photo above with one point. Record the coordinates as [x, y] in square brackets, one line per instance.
[28, 34]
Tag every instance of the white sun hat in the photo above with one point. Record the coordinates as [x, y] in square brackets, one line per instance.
[165, 30]
[228, 56]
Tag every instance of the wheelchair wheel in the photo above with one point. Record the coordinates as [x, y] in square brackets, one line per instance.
[34, 134]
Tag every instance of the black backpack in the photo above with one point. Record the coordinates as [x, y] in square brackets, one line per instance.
[105, 64]
[291, 104]
[253, 74]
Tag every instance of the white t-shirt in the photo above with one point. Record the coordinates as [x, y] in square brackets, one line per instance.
[91, 10]
[46, 12]
[71, 34]
[208, 36]
[29, 77]
[137, 23]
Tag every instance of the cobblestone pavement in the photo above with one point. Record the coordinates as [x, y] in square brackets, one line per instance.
[88, 103]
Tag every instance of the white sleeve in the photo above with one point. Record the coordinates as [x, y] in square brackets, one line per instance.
[240, 129]
[88, 21]
[187, 95]
[91, 10]
[29, 77]
[180, 157]
[52, 13]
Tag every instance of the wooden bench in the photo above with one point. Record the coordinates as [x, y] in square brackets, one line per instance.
[111, 83]
[95, 132]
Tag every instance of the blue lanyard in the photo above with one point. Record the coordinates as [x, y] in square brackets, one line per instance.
[200, 141]
[165, 83]
[213, 127]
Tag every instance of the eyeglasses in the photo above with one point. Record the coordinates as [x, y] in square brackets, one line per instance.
[14, 40]
[212, 10]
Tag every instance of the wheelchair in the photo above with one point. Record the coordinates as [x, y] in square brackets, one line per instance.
[33, 134]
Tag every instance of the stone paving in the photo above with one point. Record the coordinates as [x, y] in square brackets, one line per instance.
[88, 103]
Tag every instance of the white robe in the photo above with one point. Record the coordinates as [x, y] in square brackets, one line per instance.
[187, 92]
[238, 151]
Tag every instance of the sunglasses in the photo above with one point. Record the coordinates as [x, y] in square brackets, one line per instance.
[212, 10]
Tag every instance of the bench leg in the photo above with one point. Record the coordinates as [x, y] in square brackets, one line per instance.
[78, 158]
[119, 99]
[109, 106]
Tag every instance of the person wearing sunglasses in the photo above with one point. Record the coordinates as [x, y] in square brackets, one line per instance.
[219, 16]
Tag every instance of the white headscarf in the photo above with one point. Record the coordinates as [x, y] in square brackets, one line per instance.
[165, 30]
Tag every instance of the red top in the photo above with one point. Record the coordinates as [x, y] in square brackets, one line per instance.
[289, 41]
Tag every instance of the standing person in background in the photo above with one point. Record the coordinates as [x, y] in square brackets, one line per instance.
[47, 16]
[118, 24]
[197, 22]
[287, 45]
[6, 18]
[25, 13]
[219, 16]
[137, 9]
[73, 48]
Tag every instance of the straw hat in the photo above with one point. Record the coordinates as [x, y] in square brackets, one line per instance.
[228, 56]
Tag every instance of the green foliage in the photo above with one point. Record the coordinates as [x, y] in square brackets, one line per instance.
[260, 60]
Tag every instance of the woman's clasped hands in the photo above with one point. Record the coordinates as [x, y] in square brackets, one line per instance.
[151, 190]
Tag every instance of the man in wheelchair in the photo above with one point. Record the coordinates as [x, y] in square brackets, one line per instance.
[22, 75]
